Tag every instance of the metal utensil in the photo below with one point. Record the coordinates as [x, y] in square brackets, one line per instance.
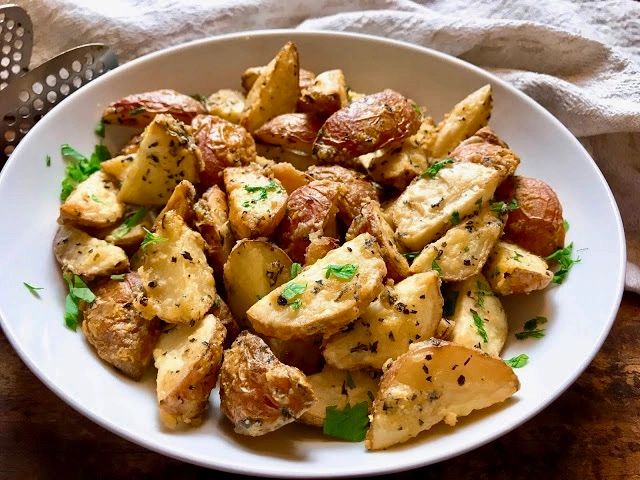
[16, 40]
[27, 98]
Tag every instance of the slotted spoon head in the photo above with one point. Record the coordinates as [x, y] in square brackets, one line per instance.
[16, 40]
[27, 98]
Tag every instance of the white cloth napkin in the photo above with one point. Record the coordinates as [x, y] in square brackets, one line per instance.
[579, 59]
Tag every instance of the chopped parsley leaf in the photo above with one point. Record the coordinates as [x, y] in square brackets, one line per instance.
[296, 268]
[33, 290]
[96, 199]
[517, 256]
[436, 266]
[131, 221]
[565, 224]
[518, 361]
[343, 272]
[563, 257]
[100, 129]
[416, 109]
[151, 238]
[455, 218]
[349, 424]
[502, 208]
[78, 291]
[118, 278]
[290, 292]
[199, 97]
[296, 304]
[531, 329]
[482, 291]
[135, 111]
[479, 323]
[263, 190]
[47, 160]
[349, 381]
[433, 170]
[79, 167]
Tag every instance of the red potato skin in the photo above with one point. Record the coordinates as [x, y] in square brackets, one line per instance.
[139, 109]
[537, 224]
[222, 144]
[380, 120]
[296, 131]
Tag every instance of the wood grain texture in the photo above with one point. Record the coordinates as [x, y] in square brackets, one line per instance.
[591, 431]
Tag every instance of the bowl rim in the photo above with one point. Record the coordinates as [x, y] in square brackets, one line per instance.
[362, 470]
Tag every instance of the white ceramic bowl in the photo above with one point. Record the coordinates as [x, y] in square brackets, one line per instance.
[580, 312]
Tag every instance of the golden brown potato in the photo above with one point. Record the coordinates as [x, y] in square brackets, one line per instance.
[401, 315]
[357, 193]
[338, 388]
[536, 224]
[293, 131]
[371, 220]
[251, 74]
[434, 381]
[299, 160]
[181, 202]
[445, 329]
[258, 393]
[318, 248]
[325, 296]
[118, 166]
[289, 176]
[138, 110]
[188, 359]
[131, 146]
[254, 268]
[178, 283]
[512, 269]
[79, 253]
[256, 202]
[212, 221]
[310, 211]
[325, 95]
[302, 353]
[223, 313]
[381, 120]
[93, 203]
[222, 144]
[118, 333]
[275, 91]
[484, 147]
[227, 104]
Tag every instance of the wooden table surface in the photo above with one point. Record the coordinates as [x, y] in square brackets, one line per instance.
[591, 431]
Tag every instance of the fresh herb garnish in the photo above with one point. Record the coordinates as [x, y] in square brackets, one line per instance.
[33, 290]
[79, 167]
[290, 292]
[455, 218]
[436, 266]
[263, 190]
[411, 256]
[531, 329]
[296, 304]
[416, 109]
[433, 170]
[100, 129]
[199, 97]
[131, 221]
[518, 361]
[296, 268]
[343, 272]
[151, 238]
[482, 291]
[78, 291]
[565, 224]
[96, 199]
[502, 208]
[349, 424]
[118, 278]
[517, 256]
[563, 257]
[479, 323]
[47, 160]
[349, 381]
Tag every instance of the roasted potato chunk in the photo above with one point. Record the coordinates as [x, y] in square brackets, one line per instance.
[512, 269]
[299, 160]
[302, 353]
[325, 95]
[254, 268]
[463, 250]
[485, 148]
[310, 212]
[371, 220]
[338, 388]
[212, 221]
[222, 144]
[227, 104]
[293, 131]
[188, 359]
[181, 202]
[258, 393]
[178, 283]
[536, 224]
[275, 91]
[140, 109]
[480, 321]
[289, 176]
[318, 248]
[223, 313]
[251, 74]
[381, 120]
[401, 315]
[131, 146]
[118, 167]
[465, 119]
[117, 332]
[256, 202]
[325, 296]
[93, 203]
[434, 381]
[79, 253]
[429, 206]
[167, 155]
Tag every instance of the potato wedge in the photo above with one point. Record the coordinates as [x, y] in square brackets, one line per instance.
[212, 221]
[401, 315]
[318, 248]
[434, 381]
[140, 109]
[131, 146]
[251, 74]
[130, 233]
[480, 320]
[466, 118]
[512, 269]
[167, 155]
[227, 104]
[326, 95]
[371, 220]
[223, 313]
[445, 329]
[293, 131]
[256, 202]
[289, 176]
[319, 302]
[429, 206]
[463, 250]
[310, 212]
[117, 332]
[118, 166]
[178, 283]
[338, 388]
[382, 120]
[275, 91]
[302, 353]
[79, 253]
[484, 147]
[254, 268]
[188, 359]
[181, 202]
[537, 223]
[258, 393]
[299, 160]
[93, 203]
[222, 144]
